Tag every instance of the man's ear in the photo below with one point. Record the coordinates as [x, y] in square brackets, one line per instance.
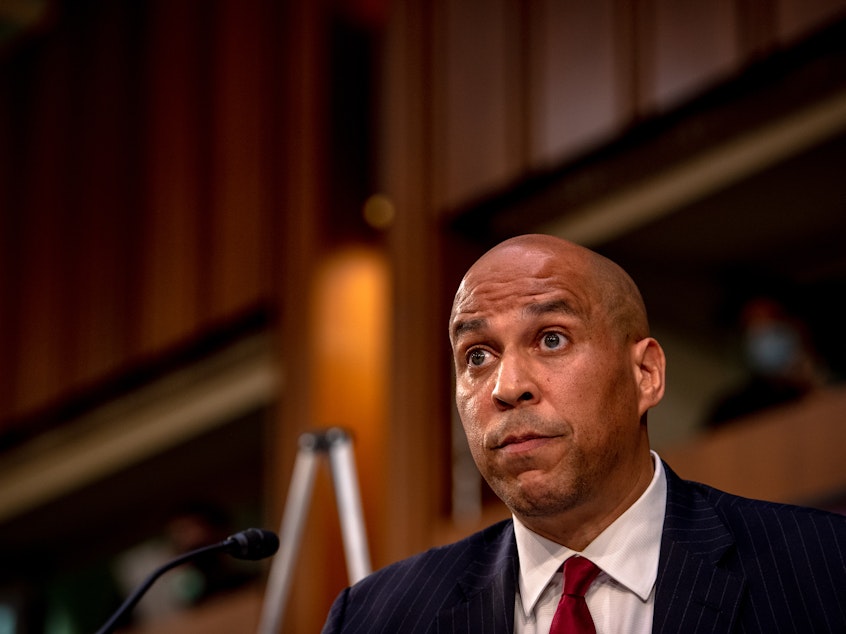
[649, 367]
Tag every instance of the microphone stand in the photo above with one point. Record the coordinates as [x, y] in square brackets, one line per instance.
[250, 544]
[136, 595]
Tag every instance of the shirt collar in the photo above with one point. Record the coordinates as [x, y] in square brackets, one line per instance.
[627, 550]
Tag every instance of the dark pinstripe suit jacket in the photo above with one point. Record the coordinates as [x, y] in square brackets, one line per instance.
[727, 564]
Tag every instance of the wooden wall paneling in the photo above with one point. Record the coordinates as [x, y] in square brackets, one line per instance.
[408, 102]
[103, 158]
[633, 56]
[236, 257]
[412, 50]
[419, 417]
[43, 370]
[428, 55]
[573, 93]
[295, 36]
[517, 78]
[756, 28]
[695, 46]
[476, 43]
[9, 245]
[168, 305]
[798, 17]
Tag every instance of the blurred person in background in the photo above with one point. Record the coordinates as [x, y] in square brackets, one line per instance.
[780, 357]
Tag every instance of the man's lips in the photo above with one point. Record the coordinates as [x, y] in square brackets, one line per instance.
[517, 444]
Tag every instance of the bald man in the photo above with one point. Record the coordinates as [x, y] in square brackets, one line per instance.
[555, 373]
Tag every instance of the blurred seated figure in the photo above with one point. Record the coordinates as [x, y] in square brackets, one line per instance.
[781, 359]
[197, 525]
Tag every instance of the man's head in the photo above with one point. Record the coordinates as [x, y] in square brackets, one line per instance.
[555, 371]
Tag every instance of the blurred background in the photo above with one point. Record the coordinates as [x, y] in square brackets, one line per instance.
[227, 223]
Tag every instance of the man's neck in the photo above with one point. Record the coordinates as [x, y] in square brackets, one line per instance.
[577, 527]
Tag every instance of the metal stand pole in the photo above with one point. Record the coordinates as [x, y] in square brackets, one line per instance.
[338, 445]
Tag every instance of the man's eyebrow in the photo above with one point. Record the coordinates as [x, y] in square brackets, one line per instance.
[552, 306]
[469, 325]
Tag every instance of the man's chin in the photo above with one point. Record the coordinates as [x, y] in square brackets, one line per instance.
[532, 498]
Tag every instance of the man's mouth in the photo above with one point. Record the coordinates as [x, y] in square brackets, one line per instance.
[526, 442]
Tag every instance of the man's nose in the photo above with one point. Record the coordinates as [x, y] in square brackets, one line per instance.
[514, 382]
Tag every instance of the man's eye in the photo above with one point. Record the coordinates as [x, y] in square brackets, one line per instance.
[477, 357]
[552, 340]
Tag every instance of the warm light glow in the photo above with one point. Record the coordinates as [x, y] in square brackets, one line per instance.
[379, 211]
[350, 352]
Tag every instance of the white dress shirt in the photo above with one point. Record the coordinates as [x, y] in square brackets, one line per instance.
[622, 598]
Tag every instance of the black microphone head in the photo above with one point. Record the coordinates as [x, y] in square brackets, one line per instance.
[253, 544]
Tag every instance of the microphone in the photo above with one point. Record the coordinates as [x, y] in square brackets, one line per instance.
[251, 544]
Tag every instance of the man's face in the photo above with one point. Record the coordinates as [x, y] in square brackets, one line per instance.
[546, 388]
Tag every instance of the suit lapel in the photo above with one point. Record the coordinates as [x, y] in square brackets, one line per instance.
[693, 594]
[489, 588]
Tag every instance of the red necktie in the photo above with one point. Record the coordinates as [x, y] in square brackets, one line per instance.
[572, 615]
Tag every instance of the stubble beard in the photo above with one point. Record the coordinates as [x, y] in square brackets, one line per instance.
[545, 495]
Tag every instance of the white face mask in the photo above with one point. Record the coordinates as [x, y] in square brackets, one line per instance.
[771, 349]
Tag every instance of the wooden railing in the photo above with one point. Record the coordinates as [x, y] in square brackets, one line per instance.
[794, 454]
